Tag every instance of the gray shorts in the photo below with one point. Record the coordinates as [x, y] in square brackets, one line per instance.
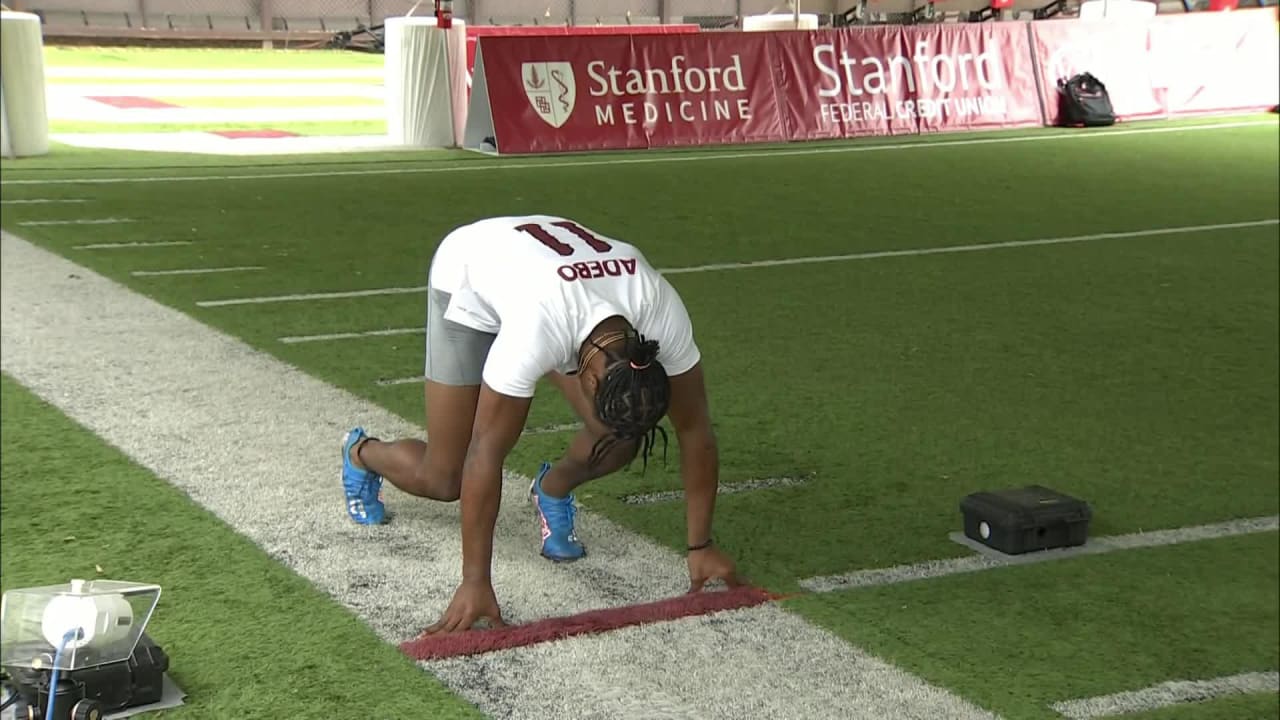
[455, 353]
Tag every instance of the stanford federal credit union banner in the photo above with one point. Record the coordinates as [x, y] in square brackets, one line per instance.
[542, 94]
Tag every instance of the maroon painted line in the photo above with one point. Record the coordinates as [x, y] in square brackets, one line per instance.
[131, 102]
[475, 642]
[263, 133]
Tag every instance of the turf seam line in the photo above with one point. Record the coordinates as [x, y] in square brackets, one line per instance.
[989, 561]
[616, 161]
[196, 271]
[114, 246]
[1165, 694]
[42, 201]
[1178, 230]
[78, 221]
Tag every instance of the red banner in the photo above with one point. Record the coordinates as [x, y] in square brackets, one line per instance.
[1172, 65]
[475, 32]
[615, 92]
[893, 80]
[545, 94]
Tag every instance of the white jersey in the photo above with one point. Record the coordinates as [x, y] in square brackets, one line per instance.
[541, 283]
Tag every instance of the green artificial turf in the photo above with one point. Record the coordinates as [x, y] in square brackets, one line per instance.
[1138, 373]
[246, 637]
[1017, 640]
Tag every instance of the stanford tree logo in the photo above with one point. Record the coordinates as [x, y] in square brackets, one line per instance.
[550, 89]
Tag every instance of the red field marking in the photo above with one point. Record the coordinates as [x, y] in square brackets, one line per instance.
[475, 642]
[131, 102]
[263, 133]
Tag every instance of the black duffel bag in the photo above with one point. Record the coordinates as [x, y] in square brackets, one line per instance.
[1084, 102]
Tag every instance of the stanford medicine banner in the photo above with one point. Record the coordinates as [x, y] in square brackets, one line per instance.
[554, 94]
[610, 92]
[475, 32]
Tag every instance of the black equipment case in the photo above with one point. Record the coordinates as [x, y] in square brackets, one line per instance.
[1021, 520]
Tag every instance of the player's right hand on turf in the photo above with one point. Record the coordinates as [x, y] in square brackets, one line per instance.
[473, 600]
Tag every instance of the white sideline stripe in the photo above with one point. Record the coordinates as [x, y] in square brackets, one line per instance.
[401, 381]
[1174, 692]
[976, 247]
[988, 561]
[42, 201]
[200, 407]
[115, 246]
[80, 221]
[689, 156]
[292, 339]
[197, 271]
[725, 488]
[310, 296]
[795, 261]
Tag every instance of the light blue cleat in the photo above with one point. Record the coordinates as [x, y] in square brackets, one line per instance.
[559, 542]
[362, 487]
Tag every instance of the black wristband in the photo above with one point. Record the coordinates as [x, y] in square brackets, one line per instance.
[703, 546]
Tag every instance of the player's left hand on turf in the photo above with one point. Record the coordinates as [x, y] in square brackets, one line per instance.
[710, 564]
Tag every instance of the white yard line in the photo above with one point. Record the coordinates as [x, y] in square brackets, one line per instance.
[310, 296]
[124, 245]
[991, 560]
[78, 221]
[42, 201]
[552, 429]
[196, 271]
[414, 380]
[674, 157]
[208, 414]
[725, 488]
[1174, 692]
[1152, 232]
[294, 339]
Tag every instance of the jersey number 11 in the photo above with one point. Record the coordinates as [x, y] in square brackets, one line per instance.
[561, 247]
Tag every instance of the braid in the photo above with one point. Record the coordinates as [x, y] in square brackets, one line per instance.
[632, 398]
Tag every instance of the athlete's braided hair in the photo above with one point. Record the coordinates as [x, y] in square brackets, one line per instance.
[632, 397]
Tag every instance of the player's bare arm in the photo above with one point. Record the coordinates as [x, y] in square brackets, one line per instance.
[700, 470]
[498, 424]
